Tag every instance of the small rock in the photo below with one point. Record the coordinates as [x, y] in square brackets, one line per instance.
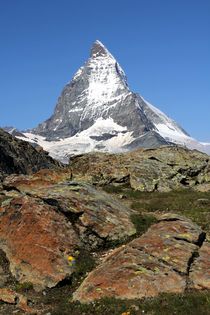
[122, 196]
[12, 297]
[203, 201]
[135, 307]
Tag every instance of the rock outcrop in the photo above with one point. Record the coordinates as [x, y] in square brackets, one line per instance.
[18, 156]
[161, 169]
[45, 219]
[157, 262]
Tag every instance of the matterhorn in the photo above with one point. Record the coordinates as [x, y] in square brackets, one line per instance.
[97, 111]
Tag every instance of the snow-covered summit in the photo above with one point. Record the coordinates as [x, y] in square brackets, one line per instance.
[94, 89]
[97, 111]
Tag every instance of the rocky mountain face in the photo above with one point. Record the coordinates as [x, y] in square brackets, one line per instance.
[97, 111]
[17, 156]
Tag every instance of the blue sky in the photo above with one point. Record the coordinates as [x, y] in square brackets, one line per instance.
[163, 46]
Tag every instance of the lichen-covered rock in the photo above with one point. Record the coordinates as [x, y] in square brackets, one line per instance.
[45, 217]
[98, 217]
[154, 263]
[37, 241]
[161, 169]
[200, 271]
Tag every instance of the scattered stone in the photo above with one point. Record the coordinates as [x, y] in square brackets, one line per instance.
[11, 297]
[45, 219]
[8, 296]
[203, 201]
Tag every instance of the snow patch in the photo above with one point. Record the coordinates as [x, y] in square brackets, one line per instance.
[83, 143]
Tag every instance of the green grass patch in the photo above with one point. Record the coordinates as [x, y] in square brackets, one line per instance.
[115, 189]
[192, 204]
[23, 287]
[84, 264]
[142, 222]
[192, 303]
[187, 202]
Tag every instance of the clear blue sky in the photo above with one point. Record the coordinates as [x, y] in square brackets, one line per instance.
[163, 46]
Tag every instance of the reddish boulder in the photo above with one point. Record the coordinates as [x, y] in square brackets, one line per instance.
[37, 242]
[200, 271]
[98, 217]
[155, 263]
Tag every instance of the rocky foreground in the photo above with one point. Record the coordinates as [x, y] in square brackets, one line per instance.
[47, 219]
[52, 219]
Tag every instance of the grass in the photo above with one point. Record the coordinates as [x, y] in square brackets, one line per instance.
[23, 287]
[84, 264]
[142, 222]
[192, 204]
[191, 303]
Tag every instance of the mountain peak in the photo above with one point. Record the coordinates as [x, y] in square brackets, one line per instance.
[97, 111]
[99, 50]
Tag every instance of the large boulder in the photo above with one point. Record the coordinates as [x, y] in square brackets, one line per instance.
[37, 241]
[98, 217]
[46, 219]
[157, 262]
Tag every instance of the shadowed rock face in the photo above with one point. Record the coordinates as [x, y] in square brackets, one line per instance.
[17, 156]
[157, 262]
[161, 169]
